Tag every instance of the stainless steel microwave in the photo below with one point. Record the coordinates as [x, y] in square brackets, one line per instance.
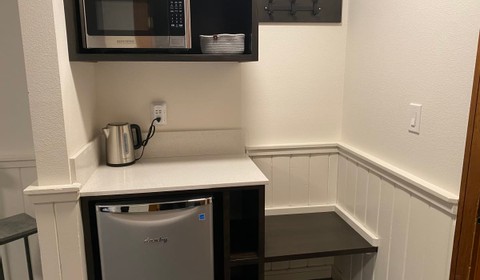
[136, 24]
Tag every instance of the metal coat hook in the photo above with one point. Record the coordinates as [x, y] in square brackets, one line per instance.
[316, 10]
[293, 8]
[268, 8]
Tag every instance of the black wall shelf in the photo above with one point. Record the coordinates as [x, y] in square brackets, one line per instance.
[316, 235]
[208, 17]
[328, 11]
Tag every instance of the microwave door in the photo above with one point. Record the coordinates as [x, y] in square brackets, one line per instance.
[126, 23]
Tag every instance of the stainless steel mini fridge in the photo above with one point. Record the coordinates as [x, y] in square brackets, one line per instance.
[166, 240]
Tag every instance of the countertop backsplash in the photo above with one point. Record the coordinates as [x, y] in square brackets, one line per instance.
[162, 145]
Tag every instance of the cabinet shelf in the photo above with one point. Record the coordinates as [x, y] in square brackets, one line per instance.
[243, 258]
[246, 224]
[94, 57]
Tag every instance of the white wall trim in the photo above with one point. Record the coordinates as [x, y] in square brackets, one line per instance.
[17, 163]
[427, 191]
[372, 238]
[315, 272]
[299, 210]
[85, 161]
[300, 149]
[53, 193]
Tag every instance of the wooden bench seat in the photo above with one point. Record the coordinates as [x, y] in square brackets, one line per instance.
[303, 236]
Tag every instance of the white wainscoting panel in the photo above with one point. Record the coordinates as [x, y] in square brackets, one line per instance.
[411, 220]
[415, 227]
[299, 175]
[15, 176]
[302, 179]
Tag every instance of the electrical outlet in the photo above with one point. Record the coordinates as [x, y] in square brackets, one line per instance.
[159, 109]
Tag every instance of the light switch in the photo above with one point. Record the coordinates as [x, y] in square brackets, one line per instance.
[415, 115]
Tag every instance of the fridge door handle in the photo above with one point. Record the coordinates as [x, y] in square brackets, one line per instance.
[153, 207]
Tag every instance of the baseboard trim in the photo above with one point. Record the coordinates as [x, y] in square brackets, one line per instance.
[315, 272]
[17, 163]
[299, 209]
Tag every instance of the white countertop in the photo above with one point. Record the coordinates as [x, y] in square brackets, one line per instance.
[174, 174]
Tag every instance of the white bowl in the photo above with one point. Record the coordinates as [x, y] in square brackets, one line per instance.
[222, 43]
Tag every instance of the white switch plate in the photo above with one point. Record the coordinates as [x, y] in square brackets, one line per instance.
[415, 116]
[159, 109]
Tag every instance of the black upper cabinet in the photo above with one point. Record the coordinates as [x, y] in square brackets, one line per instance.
[207, 17]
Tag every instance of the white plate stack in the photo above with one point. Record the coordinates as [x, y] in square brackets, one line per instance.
[222, 43]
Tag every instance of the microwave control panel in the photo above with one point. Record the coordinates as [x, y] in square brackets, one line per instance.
[177, 16]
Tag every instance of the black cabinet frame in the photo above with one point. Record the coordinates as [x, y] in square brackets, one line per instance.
[241, 263]
[208, 17]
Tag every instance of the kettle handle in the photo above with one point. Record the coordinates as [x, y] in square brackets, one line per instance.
[137, 137]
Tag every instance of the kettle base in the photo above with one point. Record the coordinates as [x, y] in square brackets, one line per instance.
[120, 164]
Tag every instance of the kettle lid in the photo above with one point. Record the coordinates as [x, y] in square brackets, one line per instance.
[117, 124]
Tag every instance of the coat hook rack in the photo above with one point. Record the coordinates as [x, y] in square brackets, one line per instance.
[300, 10]
[293, 8]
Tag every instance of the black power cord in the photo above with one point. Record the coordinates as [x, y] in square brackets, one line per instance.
[151, 132]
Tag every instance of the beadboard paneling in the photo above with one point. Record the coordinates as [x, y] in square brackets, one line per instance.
[280, 181]
[361, 195]
[399, 234]
[416, 246]
[299, 176]
[318, 171]
[299, 180]
[15, 176]
[415, 230]
[413, 219]
[265, 165]
[372, 202]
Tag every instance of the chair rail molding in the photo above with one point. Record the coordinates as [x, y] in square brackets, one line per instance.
[265, 155]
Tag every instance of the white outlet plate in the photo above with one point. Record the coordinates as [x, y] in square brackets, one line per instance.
[159, 109]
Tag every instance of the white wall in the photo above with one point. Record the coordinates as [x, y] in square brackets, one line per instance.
[293, 94]
[198, 95]
[16, 141]
[411, 51]
[79, 105]
[39, 33]
[17, 165]
[62, 94]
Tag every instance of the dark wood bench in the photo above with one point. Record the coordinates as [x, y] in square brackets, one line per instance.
[303, 236]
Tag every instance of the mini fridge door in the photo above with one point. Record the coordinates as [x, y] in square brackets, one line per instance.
[167, 240]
